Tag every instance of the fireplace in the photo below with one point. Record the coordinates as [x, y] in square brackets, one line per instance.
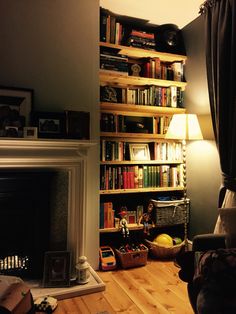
[25, 221]
[73, 161]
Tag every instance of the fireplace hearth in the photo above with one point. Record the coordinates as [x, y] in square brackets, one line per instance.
[44, 157]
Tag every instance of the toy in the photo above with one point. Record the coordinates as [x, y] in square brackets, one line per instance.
[45, 304]
[164, 239]
[107, 258]
[146, 218]
[123, 222]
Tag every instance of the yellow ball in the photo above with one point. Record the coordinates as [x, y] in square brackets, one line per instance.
[164, 239]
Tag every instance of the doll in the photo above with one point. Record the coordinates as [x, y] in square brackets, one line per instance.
[146, 219]
[123, 222]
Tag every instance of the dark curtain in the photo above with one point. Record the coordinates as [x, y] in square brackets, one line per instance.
[220, 27]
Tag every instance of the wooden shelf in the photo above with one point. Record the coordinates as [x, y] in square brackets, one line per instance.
[130, 227]
[107, 78]
[137, 53]
[141, 110]
[146, 136]
[141, 162]
[142, 190]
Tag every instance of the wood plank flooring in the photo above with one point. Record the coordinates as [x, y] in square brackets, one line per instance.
[154, 288]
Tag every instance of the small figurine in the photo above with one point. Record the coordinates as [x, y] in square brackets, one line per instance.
[146, 219]
[123, 222]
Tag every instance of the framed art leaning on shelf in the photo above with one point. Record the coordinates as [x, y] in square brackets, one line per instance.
[139, 152]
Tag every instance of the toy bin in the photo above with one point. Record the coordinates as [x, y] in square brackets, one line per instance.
[132, 259]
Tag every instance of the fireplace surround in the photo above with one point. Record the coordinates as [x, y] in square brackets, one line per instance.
[78, 159]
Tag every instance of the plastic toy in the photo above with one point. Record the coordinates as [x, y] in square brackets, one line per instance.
[146, 219]
[123, 222]
[107, 258]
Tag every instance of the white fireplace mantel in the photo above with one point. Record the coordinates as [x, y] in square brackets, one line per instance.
[26, 152]
[71, 155]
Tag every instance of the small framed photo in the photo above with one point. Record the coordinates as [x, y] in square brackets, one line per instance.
[15, 109]
[49, 124]
[139, 152]
[131, 215]
[30, 132]
[56, 269]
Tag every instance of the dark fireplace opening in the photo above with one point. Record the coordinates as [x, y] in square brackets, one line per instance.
[27, 212]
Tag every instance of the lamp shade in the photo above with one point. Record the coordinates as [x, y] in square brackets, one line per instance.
[184, 127]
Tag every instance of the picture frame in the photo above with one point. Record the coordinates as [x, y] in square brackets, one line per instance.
[16, 105]
[30, 132]
[56, 269]
[139, 152]
[77, 124]
[49, 124]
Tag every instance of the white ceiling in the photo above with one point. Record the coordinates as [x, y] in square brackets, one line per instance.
[179, 12]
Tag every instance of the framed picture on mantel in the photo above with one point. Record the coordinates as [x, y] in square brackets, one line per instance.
[15, 108]
[49, 124]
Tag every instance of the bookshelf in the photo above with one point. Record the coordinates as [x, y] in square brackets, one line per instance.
[136, 109]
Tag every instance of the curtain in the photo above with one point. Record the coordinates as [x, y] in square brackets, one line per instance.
[220, 28]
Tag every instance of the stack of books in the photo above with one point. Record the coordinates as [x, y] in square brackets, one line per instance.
[141, 39]
[111, 61]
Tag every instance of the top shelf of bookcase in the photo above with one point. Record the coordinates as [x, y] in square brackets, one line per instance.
[137, 53]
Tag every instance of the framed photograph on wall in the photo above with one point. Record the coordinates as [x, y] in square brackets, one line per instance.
[56, 269]
[139, 152]
[49, 124]
[15, 108]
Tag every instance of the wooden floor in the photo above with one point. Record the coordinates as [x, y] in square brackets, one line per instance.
[154, 288]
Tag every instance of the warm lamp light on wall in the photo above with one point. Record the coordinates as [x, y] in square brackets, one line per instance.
[184, 127]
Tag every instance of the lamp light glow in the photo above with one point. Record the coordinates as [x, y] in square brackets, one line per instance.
[184, 127]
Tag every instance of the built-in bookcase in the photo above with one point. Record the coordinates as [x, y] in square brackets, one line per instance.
[140, 90]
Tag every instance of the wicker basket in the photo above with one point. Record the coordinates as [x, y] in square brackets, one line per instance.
[169, 213]
[132, 259]
[162, 252]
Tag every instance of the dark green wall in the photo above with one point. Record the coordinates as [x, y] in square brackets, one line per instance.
[203, 169]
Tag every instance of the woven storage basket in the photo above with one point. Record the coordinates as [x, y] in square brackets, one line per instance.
[170, 213]
[162, 252]
[132, 259]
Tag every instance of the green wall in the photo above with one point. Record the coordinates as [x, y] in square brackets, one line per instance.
[203, 169]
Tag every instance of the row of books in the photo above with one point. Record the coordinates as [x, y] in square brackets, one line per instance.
[159, 151]
[108, 218]
[107, 215]
[151, 95]
[110, 122]
[140, 176]
[150, 68]
[111, 30]
[155, 68]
